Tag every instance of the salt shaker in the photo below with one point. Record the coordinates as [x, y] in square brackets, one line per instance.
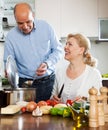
[104, 91]
[93, 110]
[101, 118]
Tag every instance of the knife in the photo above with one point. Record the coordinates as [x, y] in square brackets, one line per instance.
[59, 95]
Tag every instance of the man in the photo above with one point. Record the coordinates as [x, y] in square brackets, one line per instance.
[36, 50]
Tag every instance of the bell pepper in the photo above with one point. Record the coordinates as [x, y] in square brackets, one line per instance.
[66, 112]
[54, 111]
[60, 111]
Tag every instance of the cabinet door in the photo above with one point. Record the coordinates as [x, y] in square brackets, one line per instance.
[79, 16]
[69, 16]
[102, 8]
[49, 11]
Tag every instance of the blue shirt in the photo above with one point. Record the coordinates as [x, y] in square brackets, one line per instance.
[30, 50]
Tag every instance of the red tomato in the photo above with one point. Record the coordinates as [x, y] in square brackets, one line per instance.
[49, 102]
[23, 109]
[54, 103]
[70, 102]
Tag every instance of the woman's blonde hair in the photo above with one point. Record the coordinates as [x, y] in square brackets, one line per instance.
[84, 42]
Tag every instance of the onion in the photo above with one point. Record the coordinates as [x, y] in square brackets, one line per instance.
[31, 106]
[42, 103]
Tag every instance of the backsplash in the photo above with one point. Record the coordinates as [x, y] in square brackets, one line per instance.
[100, 51]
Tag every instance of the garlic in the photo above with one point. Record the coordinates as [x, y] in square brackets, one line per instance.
[37, 112]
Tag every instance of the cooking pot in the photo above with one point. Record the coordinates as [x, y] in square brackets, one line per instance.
[15, 94]
[20, 94]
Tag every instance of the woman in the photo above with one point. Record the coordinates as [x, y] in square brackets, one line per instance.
[80, 74]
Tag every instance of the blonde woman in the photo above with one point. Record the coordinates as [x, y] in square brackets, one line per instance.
[80, 74]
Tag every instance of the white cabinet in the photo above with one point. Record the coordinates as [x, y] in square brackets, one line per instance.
[103, 8]
[69, 16]
[50, 10]
[79, 16]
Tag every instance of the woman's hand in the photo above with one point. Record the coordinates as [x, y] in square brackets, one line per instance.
[56, 98]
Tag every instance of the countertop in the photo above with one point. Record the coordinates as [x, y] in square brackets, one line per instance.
[26, 121]
[104, 78]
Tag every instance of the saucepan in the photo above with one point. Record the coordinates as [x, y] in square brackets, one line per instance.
[16, 94]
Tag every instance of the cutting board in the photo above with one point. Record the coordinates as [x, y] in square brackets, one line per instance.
[10, 109]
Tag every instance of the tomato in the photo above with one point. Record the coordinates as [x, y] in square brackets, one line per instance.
[49, 102]
[69, 102]
[54, 103]
[23, 109]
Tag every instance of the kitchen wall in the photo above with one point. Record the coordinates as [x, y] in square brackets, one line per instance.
[100, 51]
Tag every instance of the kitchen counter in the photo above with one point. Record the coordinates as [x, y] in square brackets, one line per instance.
[26, 121]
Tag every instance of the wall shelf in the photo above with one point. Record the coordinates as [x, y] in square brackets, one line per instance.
[99, 41]
[96, 40]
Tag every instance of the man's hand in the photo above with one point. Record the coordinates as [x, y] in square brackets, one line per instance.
[42, 69]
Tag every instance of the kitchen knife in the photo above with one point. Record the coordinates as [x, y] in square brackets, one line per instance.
[59, 95]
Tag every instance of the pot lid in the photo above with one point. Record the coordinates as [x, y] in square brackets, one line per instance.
[12, 72]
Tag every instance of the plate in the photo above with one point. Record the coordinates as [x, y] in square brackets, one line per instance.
[12, 72]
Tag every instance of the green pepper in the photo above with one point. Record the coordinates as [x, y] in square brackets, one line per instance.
[54, 111]
[60, 111]
[66, 112]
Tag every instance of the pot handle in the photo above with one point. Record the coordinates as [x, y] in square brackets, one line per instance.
[9, 90]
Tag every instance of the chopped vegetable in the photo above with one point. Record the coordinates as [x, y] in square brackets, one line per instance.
[76, 105]
[54, 111]
[31, 106]
[51, 102]
[41, 103]
[66, 112]
[5, 81]
[23, 109]
[60, 111]
[59, 105]
[45, 109]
